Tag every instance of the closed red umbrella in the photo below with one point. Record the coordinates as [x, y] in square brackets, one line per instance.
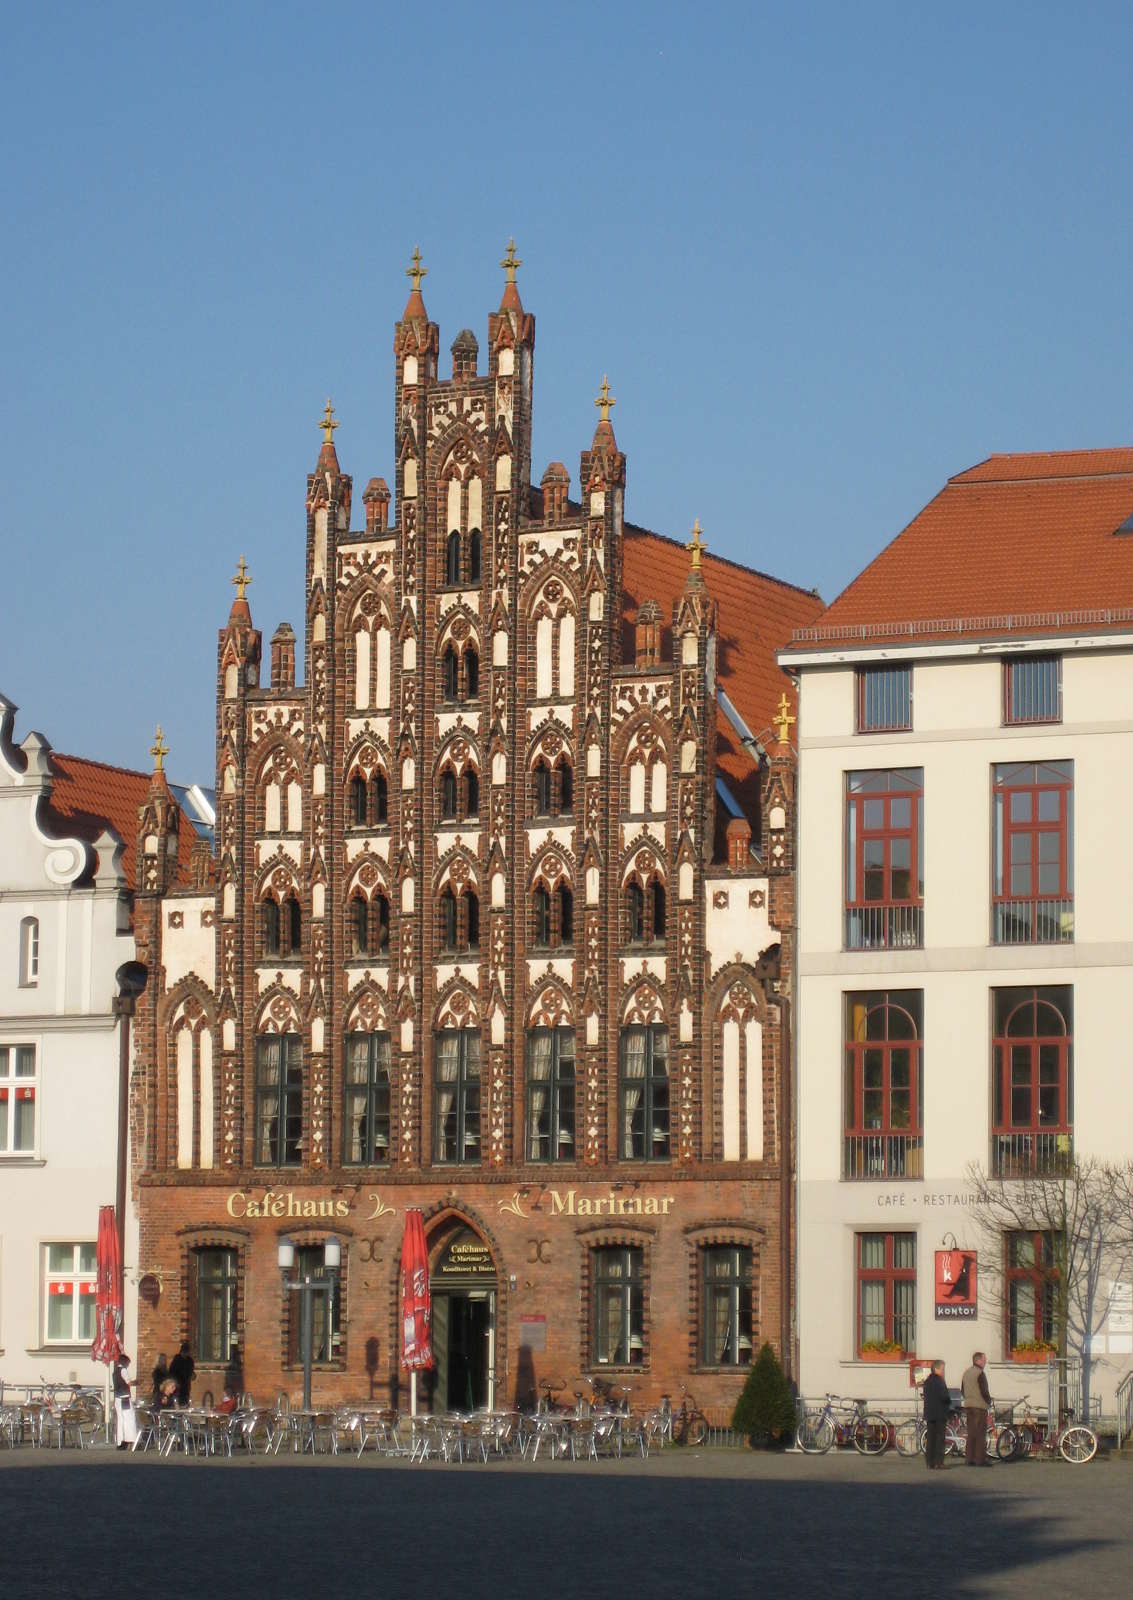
[416, 1302]
[107, 1346]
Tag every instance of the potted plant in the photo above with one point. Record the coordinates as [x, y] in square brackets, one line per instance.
[881, 1350]
[765, 1410]
[1035, 1351]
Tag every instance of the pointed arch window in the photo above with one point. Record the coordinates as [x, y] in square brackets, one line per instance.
[358, 801]
[541, 916]
[359, 926]
[542, 785]
[379, 924]
[475, 558]
[294, 926]
[379, 796]
[657, 895]
[566, 914]
[448, 794]
[471, 919]
[635, 913]
[447, 929]
[452, 558]
[471, 791]
[471, 674]
[450, 674]
[566, 787]
[271, 930]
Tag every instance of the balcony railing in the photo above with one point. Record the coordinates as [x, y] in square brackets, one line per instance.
[884, 927]
[1031, 1155]
[1034, 921]
[882, 1155]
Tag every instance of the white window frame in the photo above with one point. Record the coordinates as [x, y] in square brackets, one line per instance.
[23, 1086]
[56, 1282]
[29, 952]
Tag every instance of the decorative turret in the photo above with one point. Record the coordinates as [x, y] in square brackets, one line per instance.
[603, 466]
[555, 486]
[158, 822]
[239, 643]
[694, 663]
[283, 657]
[465, 350]
[511, 356]
[647, 635]
[376, 501]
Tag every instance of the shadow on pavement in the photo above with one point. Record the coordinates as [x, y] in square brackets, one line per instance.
[150, 1529]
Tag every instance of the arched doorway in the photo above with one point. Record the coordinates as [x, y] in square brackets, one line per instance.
[462, 1278]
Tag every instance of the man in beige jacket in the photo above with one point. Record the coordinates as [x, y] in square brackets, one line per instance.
[976, 1398]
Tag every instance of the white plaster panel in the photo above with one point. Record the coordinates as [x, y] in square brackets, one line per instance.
[469, 721]
[190, 948]
[643, 966]
[563, 969]
[737, 929]
[206, 1099]
[538, 834]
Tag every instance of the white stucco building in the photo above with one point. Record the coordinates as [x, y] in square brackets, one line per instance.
[65, 910]
[964, 949]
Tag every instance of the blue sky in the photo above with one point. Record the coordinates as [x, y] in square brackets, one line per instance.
[827, 254]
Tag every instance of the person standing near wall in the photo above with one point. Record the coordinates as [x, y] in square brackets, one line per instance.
[937, 1404]
[976, 1398]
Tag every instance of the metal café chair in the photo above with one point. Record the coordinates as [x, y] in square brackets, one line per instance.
[147, 1429]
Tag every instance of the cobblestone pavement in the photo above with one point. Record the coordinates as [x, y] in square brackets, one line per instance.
[711, 1523]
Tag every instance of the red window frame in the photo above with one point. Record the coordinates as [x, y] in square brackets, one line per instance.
[860, 1048]
[890, 1275]
[872, 802]
[897, 695]
[1021, 793]
[1040, 1276]
[1024, 1062]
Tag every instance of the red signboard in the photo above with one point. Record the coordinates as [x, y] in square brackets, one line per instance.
[956, 1285]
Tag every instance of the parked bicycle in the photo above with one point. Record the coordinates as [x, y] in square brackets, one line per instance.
[1034, 1435]
[689, 1425]
[841, 1421]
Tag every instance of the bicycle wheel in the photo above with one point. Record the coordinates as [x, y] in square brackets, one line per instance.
[1026, 1440]
[909, 1437]
[871, 1434]
[697, 1430]
[1078, 1444]
[815, 1433]
[1007, 1443]
[955, 1439]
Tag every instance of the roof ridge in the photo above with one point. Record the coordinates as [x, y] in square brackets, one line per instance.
[728, 561]
[107, 766]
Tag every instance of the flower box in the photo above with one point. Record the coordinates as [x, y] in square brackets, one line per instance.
[881, 1355]
[1033, 1358]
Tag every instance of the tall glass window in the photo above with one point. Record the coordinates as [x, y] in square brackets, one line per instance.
[326, 1332]
[550, 1094]
[365, 1099]
[883, 1133]
[1033, 1087]
[456, 1094]
[18, 1083]
[618, 1330]
[885, 860]
[1033, 852]
[643, 1098]
[726, 1326]
[887, 1292]
[215, 1289]
[69, 1291]
[279, 1100]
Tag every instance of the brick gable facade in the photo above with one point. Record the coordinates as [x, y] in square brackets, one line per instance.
[479, 837]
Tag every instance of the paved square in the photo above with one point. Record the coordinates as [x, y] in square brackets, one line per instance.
[716, 1523]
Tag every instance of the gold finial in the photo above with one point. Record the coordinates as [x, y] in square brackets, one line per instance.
[159, 750]
[327, 423]
[784, 720]
[696, 546]
[511, 261]
[416, 271]
[241, 580]
[605, 399]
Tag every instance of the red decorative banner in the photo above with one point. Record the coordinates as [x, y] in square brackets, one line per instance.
[956, 1285]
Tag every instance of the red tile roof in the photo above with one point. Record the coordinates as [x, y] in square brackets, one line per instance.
[1018, 543]
[89, 796]
[756, 616]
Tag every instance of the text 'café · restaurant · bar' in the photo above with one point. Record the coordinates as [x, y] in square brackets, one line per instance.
[493, 927]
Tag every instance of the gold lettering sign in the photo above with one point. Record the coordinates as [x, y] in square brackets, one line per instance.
[465, 1256]
[573, 1204]
[285, 1203]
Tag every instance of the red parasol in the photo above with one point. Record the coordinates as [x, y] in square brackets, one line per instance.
[107, 1346]
[416, 1301]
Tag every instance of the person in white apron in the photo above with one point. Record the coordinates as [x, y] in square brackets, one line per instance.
[125, 1417]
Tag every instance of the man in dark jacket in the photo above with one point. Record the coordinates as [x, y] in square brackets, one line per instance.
[182, 1368]
[937, 1403]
